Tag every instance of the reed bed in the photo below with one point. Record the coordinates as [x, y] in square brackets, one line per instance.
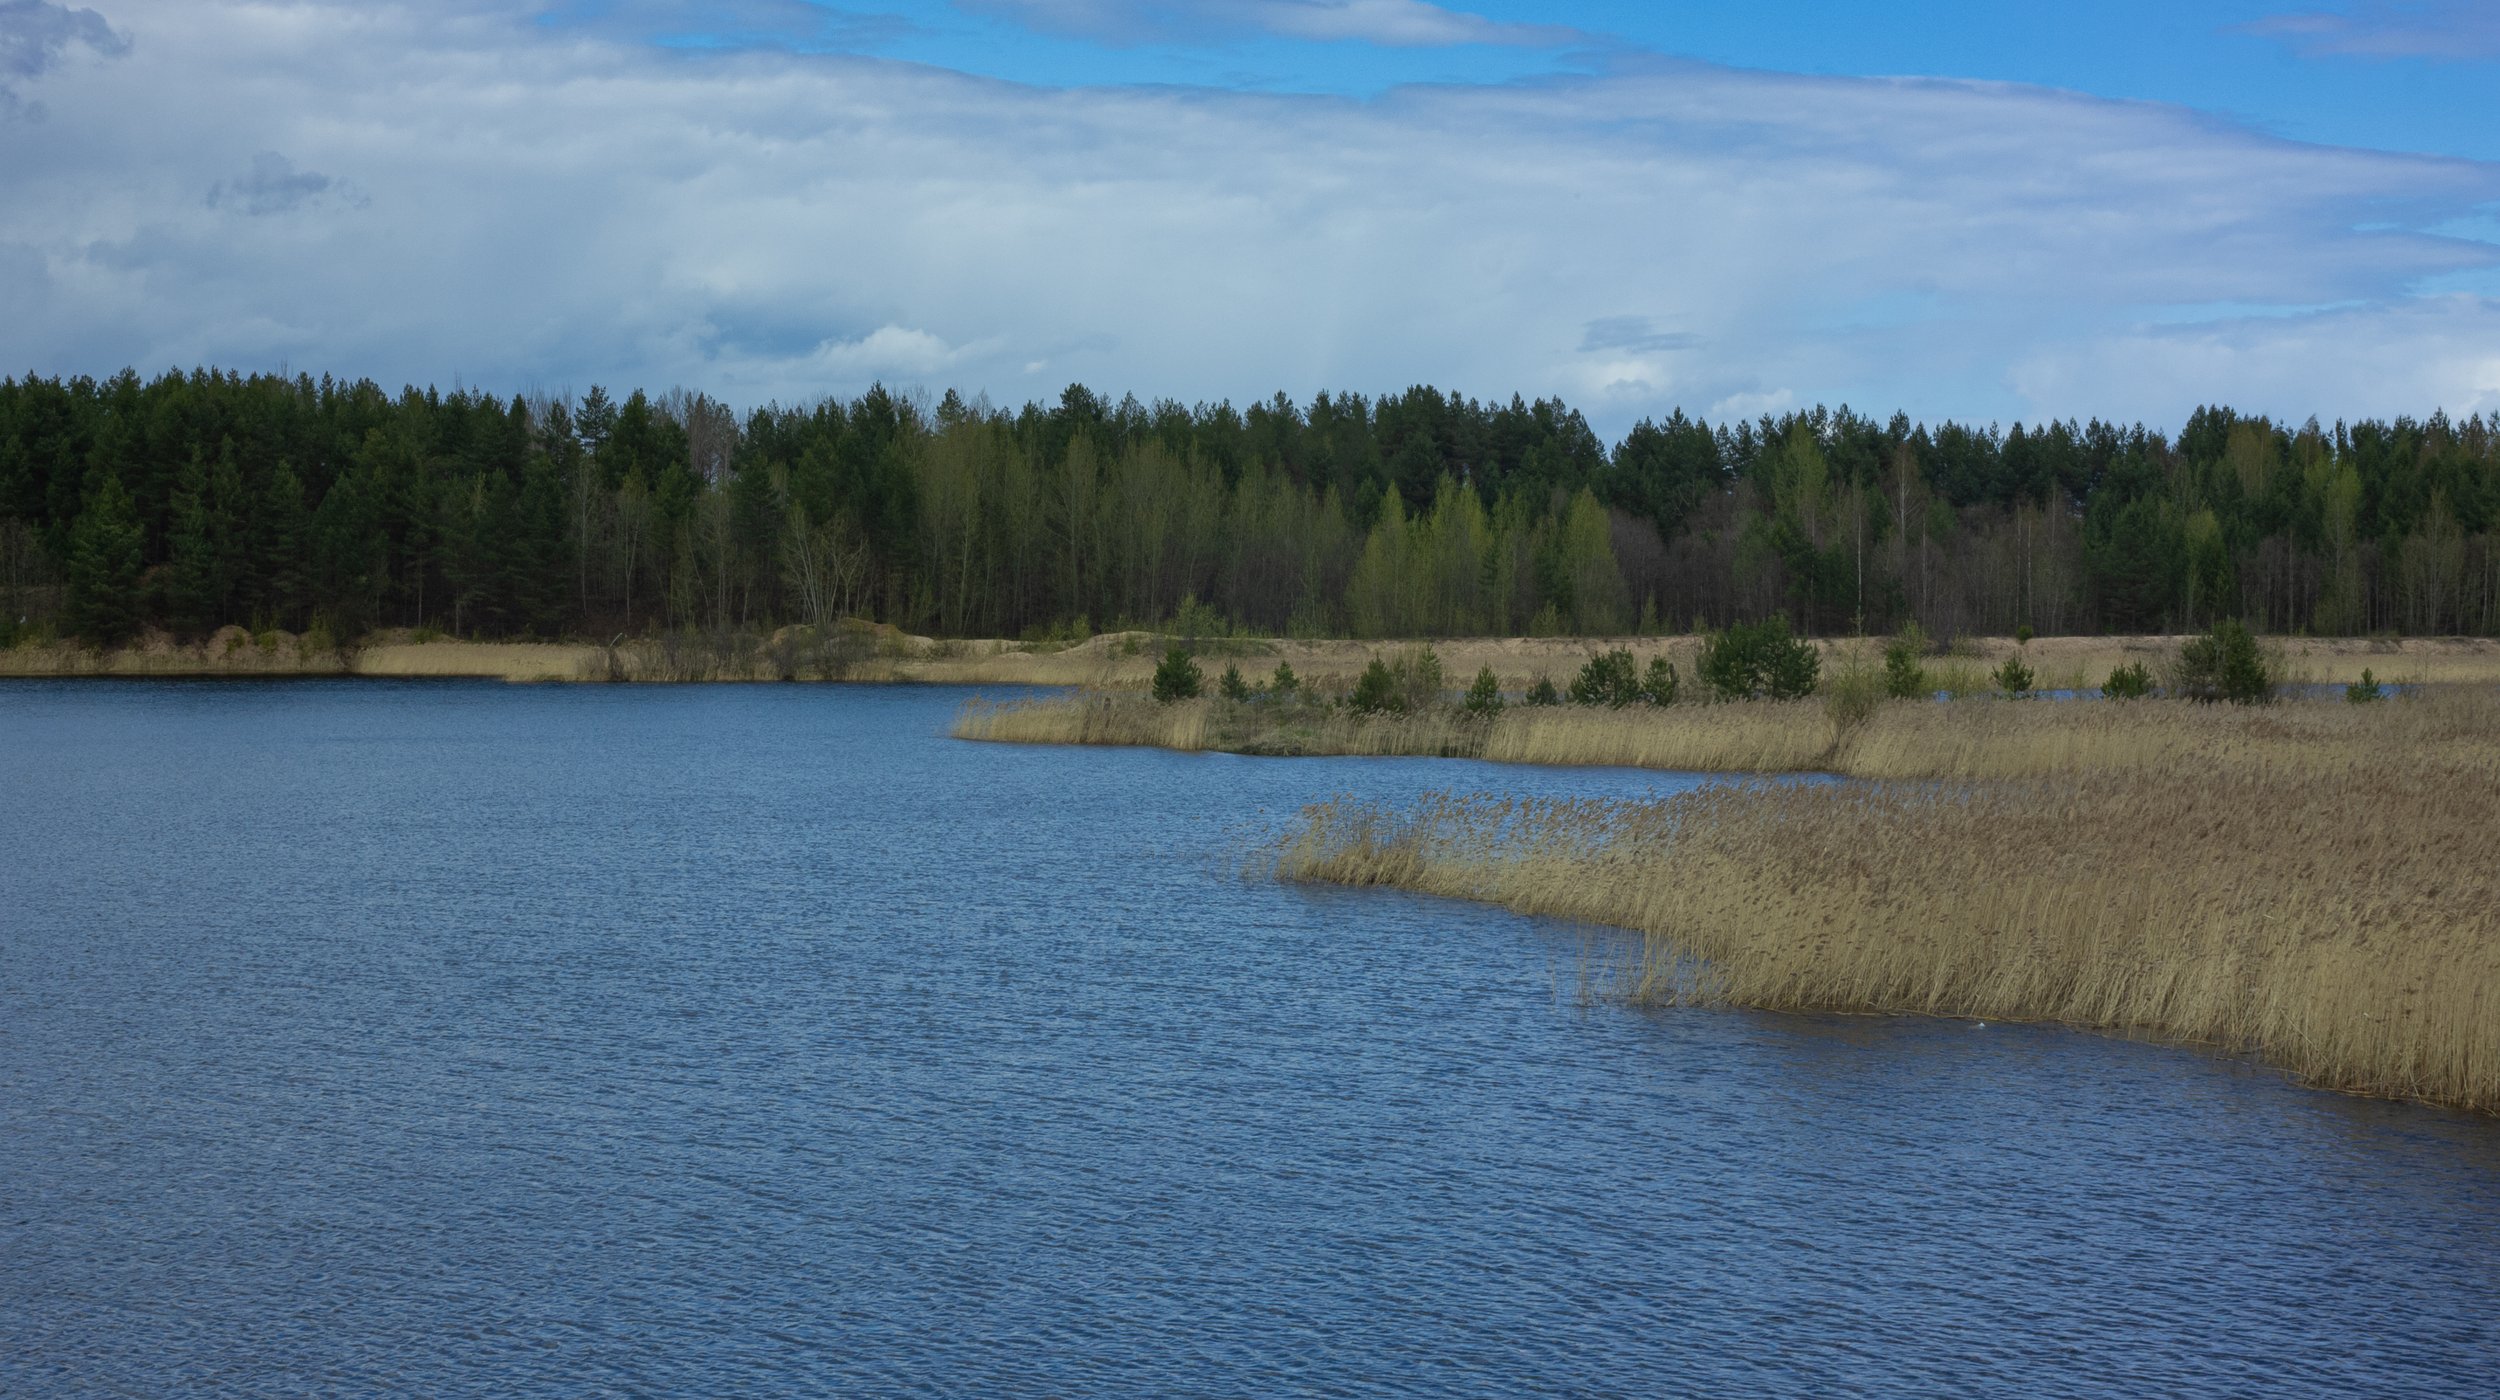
[1963, 739]
[1768, 737]
[2338, 916]
[1193, 726]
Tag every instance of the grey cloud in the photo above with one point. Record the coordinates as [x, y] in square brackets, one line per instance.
[35, 35]
[272, 186]
[2436, 29]
[1393, 23]
[795, 24]
[570, 209]
[1634, 333]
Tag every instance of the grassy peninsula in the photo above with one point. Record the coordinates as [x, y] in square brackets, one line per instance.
[2318, 885]
[2311, 881]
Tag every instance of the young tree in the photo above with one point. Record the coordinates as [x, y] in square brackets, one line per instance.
[1659, 686]
[1608, 679]
[1177, 677]
[1377, 692]
[1484, 697]
[1758, 661]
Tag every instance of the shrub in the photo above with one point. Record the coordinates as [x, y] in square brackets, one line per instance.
[1177, 677]
[1855, 689]
[1484, 698]
[1659, 686]
[2132, 681]
[2014, 678]
[1758, 661]
[1196, 619]
[1378, 692]
[1608, 679]
[1286, 684]
[2366, 690]
[1230, 685]
[2224, 664]
[2023, 635]
[1417, 674]
[1904, 677]
[1543, 692]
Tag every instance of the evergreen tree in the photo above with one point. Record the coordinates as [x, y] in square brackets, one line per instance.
[103, 574]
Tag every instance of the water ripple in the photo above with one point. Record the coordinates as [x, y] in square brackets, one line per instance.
[463, 1039]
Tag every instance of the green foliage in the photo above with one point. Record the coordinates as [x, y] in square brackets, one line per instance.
[1286, 685]
[1230, 685]
[2132, 681]
[1659, 685]
[2013, 677]
[1750, 661]
[1905, 678]
[2366, 691]
[282, 501]
[2023, 635]
[1197, 620]
[1416, 672]
[1542, 692]
[1484, 698]
[104, 560]
[1855, 689]
[1610, 678]
[2224, 664]
[1378, 692]
[1177, 677]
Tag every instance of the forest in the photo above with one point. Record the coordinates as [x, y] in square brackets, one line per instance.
[196, 500]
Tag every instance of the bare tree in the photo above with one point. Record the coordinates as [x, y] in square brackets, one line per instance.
[827, 566]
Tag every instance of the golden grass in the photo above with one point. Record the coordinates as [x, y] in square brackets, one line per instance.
[2337, 914]
[1967, 739]
[1783, 737]
[1193, 726]
[1125, 661]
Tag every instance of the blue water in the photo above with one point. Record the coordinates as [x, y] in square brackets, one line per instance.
[454, 1039]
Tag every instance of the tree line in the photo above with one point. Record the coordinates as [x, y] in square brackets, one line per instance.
[192, 501]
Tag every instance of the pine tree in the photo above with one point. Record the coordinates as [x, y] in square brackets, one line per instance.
[104, 560]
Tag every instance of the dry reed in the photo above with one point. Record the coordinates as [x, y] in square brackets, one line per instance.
[2322, 895]
[1969, 739]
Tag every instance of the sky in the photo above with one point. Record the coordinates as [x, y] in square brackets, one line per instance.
[1991, 211]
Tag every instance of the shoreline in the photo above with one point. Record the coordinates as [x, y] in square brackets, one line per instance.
[1125, 661]
[2314, 884]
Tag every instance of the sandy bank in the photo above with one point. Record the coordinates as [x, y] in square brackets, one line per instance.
[1125, 660]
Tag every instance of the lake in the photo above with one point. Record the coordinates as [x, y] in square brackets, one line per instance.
[445, 1038]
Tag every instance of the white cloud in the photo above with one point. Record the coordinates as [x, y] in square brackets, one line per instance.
[889, 351]
[2437, 29]
[2434, 352]
[538, 205]
[1752, 405]
[1395, 23]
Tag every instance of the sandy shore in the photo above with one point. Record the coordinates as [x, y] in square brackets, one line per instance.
[1126, 660]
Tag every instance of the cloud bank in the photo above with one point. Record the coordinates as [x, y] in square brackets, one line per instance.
[464, 191]
[1396, 23]
[2457, 30]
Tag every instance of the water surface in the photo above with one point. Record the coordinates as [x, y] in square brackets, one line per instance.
[449, 1038]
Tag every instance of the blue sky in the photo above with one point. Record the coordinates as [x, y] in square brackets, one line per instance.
[1993, 210]
[2393, 77]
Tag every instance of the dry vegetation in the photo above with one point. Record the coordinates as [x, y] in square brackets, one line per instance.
[1124, 661]
[1962, 739]
[2317, 884]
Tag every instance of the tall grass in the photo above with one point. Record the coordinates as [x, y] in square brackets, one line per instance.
[2319, 890]
[1969, 739]
[1213, 724]
[2343, 921]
